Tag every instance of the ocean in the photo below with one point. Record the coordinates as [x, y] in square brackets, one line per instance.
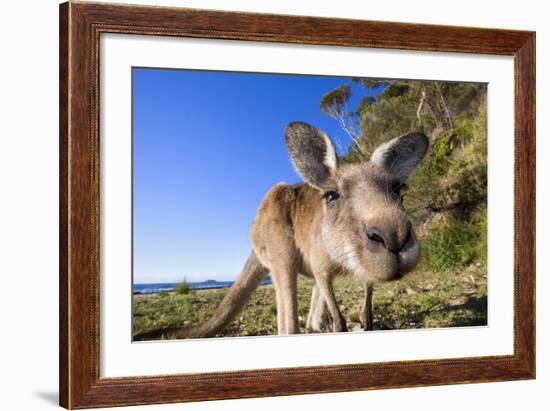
[151, 288]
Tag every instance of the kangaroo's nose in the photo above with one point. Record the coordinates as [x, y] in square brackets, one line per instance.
[391, 241]
[377, 235]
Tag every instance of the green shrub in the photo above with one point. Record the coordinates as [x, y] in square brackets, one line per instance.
[481, 223]
[463, 130]
[183, 288]
[456, 244]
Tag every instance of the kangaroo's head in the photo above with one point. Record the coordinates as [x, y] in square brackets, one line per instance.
[363, 225]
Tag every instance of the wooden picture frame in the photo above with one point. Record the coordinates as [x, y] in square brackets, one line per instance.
[80, 27]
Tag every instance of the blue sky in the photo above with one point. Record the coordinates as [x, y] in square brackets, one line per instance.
[206, 148]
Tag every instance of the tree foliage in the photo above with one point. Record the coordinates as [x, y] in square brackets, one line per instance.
[334, 102]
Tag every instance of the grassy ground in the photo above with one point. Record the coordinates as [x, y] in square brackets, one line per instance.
[422, 299]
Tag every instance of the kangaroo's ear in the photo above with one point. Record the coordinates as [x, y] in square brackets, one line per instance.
[401, 155]
[312, 153]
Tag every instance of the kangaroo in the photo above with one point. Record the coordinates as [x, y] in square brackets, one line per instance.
[344, 219]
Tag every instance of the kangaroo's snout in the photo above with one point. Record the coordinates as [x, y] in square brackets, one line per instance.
[392, 239]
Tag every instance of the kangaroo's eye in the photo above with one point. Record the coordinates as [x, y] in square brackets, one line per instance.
[331, 196]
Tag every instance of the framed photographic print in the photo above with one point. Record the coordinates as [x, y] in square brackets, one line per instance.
[259, 205]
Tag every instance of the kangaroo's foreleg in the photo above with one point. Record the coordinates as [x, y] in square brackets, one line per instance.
[325, 287]
[285, 281]
[317, 319]
[366, 312]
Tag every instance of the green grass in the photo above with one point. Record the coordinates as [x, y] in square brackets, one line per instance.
[422, 299]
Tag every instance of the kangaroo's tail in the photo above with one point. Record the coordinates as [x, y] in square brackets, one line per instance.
[235, 299]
